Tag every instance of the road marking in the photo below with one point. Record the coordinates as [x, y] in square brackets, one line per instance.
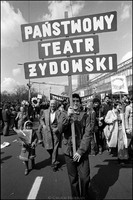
[35, 188]
[5, 144]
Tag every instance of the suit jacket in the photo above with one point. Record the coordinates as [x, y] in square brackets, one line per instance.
[56, 127]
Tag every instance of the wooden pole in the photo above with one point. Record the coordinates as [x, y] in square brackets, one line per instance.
[120, 96]
[121, 102]
[71, 104]
[29, 95]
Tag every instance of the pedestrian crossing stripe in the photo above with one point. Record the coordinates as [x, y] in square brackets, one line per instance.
[35, 188]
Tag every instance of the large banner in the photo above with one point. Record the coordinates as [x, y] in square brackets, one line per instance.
[68, 47]
[71, 66]
[90, 24]
[119, 85]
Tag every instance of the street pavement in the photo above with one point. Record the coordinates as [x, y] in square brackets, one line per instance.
[109, 180]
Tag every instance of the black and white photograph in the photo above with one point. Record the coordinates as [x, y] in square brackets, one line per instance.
[66, 106]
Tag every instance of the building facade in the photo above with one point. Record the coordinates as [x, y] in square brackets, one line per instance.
[101, 84]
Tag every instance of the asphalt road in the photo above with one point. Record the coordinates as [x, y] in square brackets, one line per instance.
[109, 180]
[15, 185]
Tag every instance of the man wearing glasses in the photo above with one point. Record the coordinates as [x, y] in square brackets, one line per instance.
[77, 164]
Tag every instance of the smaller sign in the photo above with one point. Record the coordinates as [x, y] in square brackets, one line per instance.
[25, 135]
[58, 97]
[66, 98]
[119, 85]
[85, 98]
[39, 96]
[82, 93]
[69, 46]
[102, 95]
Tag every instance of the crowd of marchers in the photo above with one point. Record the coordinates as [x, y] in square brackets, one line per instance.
[98, 126]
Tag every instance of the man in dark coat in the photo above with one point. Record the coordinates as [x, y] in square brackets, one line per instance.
[91, 121]
[6, 115]
[77, 163]
[105, 107]
[52, 121]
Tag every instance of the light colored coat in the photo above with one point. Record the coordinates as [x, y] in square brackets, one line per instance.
[111, 130]
[129, 117]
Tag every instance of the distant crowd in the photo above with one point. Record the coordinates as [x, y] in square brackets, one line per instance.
[16, 114]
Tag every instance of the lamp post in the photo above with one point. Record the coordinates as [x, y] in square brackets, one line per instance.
[29, 86]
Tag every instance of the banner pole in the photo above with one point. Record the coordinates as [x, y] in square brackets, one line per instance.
[120, 96]
[121, 102]
[71, 104]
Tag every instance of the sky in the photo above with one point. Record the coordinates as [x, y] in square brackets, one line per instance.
[15, 52]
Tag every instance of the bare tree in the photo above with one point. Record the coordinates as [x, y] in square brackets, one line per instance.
[19, 94]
